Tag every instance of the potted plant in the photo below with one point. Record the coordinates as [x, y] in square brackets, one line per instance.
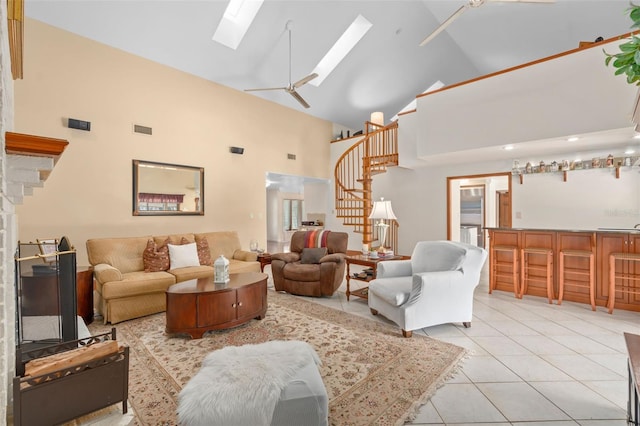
[627, 61]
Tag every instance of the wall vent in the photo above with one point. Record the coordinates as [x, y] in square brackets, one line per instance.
[291, 156]
[74, 123]
[142, 129]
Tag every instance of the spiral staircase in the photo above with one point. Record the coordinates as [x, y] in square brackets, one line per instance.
[354, 173]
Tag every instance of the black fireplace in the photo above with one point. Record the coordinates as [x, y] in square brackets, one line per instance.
[45, 277]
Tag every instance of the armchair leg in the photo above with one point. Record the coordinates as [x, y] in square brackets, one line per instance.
[466, 324]
[374, 311]
[406, 333]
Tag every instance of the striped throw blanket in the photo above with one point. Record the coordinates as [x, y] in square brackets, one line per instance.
[316, 238]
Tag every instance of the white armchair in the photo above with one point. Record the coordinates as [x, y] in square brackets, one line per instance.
[434, 287]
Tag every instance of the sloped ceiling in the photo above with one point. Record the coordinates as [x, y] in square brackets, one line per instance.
[384, 72]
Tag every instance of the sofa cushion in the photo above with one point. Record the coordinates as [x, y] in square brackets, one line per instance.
[192, 272]
[124, 254]
[313, 255]
[222, 242]
[156, 258]
[238, 266]
[182, 256]
[138, 283]
[301, 272]
[204, 253]
[176, 239]
[394, 291]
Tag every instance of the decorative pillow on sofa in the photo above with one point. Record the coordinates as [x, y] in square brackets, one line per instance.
[183, 255]
[204, 254]
[313, 255]
[154, 258]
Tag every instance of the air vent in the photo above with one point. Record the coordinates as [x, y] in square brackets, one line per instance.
[291, 156]
[79, 124]
[142, 129]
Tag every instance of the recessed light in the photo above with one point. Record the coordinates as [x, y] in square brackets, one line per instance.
[629, 151]
[573, 139]
[636, 136]
[507, 147]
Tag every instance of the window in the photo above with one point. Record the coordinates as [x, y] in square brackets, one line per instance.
[291, 214]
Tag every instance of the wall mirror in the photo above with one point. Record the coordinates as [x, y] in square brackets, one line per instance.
[167, 189]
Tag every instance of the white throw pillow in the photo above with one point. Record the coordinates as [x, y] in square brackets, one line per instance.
[183, 255]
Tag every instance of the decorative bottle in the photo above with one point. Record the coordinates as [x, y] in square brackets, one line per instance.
[221, 270]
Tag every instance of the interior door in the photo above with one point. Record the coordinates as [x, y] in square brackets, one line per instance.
[504, 209]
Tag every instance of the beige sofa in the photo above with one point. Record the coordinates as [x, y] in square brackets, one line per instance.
[125, 291]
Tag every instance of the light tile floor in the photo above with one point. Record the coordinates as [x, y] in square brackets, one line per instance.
[530, 363]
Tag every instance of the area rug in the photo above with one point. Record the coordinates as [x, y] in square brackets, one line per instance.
[372, 374]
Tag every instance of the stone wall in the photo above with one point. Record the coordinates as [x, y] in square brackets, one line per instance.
[7, 227]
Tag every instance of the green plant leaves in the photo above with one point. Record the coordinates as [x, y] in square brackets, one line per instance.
[627, 62]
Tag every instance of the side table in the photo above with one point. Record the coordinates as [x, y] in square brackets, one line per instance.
[356, 258]
[633, 367]
[264, 259]
[84, 292]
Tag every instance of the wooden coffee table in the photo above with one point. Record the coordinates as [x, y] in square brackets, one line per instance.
[197, 306]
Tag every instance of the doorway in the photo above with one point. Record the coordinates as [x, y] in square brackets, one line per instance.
[291, 202]
[476, 202]
[472, 214]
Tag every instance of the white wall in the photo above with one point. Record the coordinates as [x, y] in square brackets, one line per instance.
[194, 121]
[273, 211]
[588, 200]
[316, 198]
[573, 94]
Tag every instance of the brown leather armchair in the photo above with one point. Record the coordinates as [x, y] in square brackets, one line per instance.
[292, 274]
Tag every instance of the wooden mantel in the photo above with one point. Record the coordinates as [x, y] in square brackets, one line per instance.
[19, 143]
[30, 160]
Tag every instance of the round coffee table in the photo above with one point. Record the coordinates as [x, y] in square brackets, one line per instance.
[197, 306]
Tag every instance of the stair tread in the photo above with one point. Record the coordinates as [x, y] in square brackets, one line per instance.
[350, 202]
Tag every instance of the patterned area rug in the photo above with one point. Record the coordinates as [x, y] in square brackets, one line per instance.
[372, 374]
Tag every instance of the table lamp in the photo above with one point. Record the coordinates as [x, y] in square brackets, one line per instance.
[382, 211]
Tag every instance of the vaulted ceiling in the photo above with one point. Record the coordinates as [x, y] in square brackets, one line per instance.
[383, 72]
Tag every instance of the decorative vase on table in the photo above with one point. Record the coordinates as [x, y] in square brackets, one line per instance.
[221, 270]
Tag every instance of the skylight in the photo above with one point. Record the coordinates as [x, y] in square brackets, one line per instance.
[235, 22]
[341, 49]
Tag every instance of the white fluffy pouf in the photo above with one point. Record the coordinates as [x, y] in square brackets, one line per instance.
[241, 385]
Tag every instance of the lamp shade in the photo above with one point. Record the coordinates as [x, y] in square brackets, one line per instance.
[382, 210]
[377, 118]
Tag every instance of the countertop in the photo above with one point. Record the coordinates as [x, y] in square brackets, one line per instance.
[599, 230]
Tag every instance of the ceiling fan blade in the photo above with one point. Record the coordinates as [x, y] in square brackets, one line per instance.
[304, 80]
[299, 98]
[524, 1]
[444, 25]
[265, 88]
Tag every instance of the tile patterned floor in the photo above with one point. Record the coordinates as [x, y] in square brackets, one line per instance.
[531, 363]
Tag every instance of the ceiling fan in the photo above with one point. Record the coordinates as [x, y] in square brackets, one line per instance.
[291, 88]
[472, 4]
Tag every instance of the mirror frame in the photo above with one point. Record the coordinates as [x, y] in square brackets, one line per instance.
[136, 164]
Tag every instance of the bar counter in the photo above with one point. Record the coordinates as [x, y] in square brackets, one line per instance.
[600, 242]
